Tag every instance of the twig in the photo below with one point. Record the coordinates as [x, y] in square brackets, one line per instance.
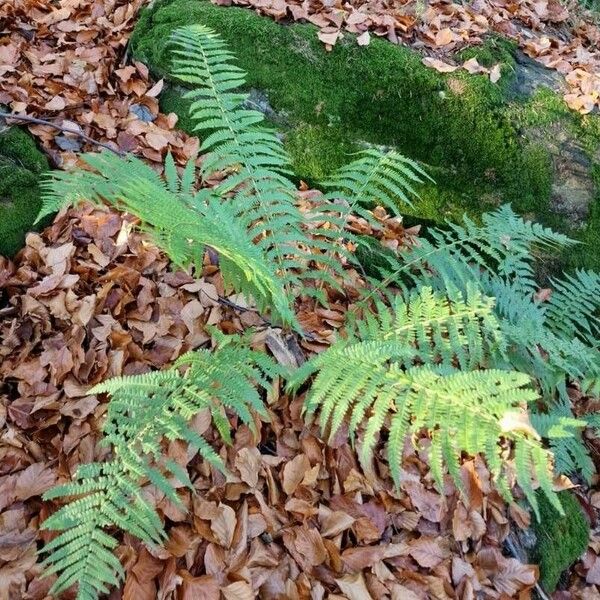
[243, 309]
[37, 121]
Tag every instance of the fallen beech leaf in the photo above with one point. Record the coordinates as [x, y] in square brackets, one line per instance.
[354, 587]
[240, 590]
[400, 592]
[248, 462]
[429, 504]
[473, 67]
[223, 525]
[444, 37]
[157, 141]
[513, 576]
[334, 522]
[495, 73]
[583, 103]
[204, 587]
[156, 89]
[428, 552]
[363, 39]
[439, 65]
[293, 473]
[57, 103]
[310, 546]
[360, 558]
[329, 35]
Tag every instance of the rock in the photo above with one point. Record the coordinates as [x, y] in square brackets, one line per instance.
[514, 141]
[21, 165]
[531, 75]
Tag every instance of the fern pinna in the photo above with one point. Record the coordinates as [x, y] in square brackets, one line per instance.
[143, 410]
[420, 365]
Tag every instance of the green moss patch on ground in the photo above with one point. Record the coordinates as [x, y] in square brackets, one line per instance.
[468, 131]
[561, 540]
[21, 164]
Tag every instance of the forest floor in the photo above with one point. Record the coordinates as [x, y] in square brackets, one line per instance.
[89, 298]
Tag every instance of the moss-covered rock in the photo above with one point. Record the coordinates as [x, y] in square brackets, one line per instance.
[485, 143]
[561, 540]
[21, 164]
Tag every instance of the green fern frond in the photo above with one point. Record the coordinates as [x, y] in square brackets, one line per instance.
[573, 309]
[374, 377]
[181, 223]
[564, 432]
[502, 247]
[427, 328]
[536, 345]
[254, 163]
[143, 410]
[376, 178]
[464, 412]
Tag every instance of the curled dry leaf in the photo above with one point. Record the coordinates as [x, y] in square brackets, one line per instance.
[223, 525]
[240, 590]
[294, 472]
[439, 65]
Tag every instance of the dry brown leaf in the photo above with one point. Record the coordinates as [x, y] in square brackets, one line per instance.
[240, 590]
[429, 552]
[294, 472]
[439, 65]
[334, 522]
[444, 37]
[473, 67]
[495, 73]
[354, 587]
[204, 587]
[223, 525]
[248, 463]
[310, 546]
[363, 39]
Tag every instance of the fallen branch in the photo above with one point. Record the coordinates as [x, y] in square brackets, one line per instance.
[83, 136]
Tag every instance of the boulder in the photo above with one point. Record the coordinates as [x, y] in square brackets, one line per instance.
[484, 143]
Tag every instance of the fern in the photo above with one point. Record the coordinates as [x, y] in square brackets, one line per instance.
[564, 434]
[255, 165]
[143, 410]
[400, 366]
[376, 178]
[181, 223]
[501, 247]
[573, 310]
[554, 342]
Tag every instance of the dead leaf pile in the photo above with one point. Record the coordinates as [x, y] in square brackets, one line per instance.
[66, 62]
[295, 518]
[561, 38]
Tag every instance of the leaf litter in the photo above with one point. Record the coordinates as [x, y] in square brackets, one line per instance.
[89, 298]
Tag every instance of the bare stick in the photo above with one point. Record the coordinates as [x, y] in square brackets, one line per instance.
[37, 121]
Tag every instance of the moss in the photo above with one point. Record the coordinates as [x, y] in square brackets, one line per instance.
[317, 150]
[382, 93]
[495, 50]
[171, 101]
[21, 164]
[466, 130]
[581, 256]
[561, 540]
